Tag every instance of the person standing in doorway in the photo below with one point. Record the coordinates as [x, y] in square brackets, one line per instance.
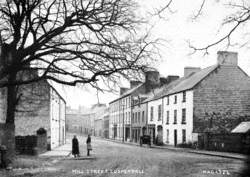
[88, 142]
[75, 147]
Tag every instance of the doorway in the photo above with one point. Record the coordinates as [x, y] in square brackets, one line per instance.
[175, 137]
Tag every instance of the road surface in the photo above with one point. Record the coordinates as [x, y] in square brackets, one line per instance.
[114, 159]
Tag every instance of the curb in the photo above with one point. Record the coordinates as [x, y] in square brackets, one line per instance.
[219, 155]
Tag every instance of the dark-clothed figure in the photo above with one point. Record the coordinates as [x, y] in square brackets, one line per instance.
[75, 147]
[89, 148]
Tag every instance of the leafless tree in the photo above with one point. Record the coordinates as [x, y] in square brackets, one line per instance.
[235, 23]
[69, 42]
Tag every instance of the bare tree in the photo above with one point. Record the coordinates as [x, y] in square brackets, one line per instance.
[234, 23]
[69, 42]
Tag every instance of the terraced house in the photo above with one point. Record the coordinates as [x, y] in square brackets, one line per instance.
[121, 108]
[120, 112]
[216, 98]
[139, 118]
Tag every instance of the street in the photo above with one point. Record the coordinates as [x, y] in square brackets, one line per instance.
[115, 159]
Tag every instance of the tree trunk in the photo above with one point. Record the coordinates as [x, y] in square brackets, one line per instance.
[8, 138]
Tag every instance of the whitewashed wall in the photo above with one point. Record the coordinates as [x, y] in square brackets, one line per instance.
[155, 121]
[54, 118]
[188, 105]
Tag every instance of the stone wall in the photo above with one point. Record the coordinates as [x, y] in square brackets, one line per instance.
[33, 109]
[222, 100]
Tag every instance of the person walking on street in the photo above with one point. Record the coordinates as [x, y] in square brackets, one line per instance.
[75, 147]
[89, 148]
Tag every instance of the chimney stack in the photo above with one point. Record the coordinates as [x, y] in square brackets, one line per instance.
[123, 90]
[168, 79]
[190, 70]
[134, 84]
[227, 58]
[152, 80]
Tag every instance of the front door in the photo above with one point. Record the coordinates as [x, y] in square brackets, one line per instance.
[115, 131]
[175, 137]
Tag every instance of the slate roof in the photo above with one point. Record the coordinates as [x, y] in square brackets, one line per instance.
[182, 84]
[128, 92]
[243, 127]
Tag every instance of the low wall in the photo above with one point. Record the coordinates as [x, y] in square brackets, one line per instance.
[32, 145]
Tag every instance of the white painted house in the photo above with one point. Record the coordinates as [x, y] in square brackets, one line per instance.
[216, 98]
[155, 118]
[178, 118]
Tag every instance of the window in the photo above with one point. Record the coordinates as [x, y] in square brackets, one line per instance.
[132, 120]
[167, 121]
[175, 99]
[175, 116]
[136, 117]
[183, 136]
[152, 113]
[159, 112]
[168, 100]
[167, 141]
[142, 116]
[183, 116]
[184, 97]
[139, 117]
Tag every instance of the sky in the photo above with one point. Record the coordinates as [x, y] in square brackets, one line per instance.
[176, 29]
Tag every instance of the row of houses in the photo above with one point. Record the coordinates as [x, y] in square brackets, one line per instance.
[93, 121]
[176, 110]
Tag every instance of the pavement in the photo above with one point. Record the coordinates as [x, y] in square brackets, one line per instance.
[65, 151]
[60, 151]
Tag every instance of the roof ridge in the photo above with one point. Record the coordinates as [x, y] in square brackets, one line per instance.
[183, 83]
